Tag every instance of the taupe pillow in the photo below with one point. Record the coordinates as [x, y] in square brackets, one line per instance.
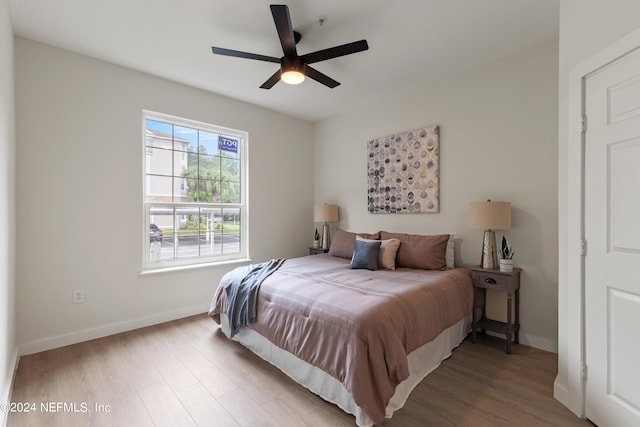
[420, 251]
[343, 243]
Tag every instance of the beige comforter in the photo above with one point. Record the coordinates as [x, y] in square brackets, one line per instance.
[357, 325]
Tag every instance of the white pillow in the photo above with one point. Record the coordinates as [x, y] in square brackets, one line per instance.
[388, 250]
[450, 255]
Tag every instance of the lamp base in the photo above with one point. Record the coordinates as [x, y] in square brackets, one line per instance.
[489, 251]
[326, 238]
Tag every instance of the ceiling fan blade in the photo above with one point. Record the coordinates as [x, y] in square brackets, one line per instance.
[320, 77]
[282, 19]
[271, 81]
[334, 52]
[240, 54]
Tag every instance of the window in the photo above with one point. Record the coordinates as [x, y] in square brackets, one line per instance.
[195, 192]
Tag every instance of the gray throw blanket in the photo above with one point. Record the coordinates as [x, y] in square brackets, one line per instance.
[242, 293]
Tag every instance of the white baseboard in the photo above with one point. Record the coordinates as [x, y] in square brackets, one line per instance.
[109, 329]
[8, 386]
[532, 341]
[542, 343]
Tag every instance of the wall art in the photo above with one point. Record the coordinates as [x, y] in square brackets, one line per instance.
[404, 172]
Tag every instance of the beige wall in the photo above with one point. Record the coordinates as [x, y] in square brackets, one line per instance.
[79, 194]
[586, 28]
[8, 354]
[498, 126]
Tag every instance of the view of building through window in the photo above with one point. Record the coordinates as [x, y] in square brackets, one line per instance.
[193, 192]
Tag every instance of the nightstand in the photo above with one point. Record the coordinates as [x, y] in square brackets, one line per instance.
[315, 251]
[508, 283]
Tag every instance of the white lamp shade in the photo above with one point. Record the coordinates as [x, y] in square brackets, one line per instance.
[325, 213]
[490, 215]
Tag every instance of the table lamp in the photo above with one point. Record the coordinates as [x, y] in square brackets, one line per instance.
[326, 213]
[490, 216]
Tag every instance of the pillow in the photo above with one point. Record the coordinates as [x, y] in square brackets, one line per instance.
[343, 242]
[417, 251]
[450, 255]
[388, 250]
[366, 255]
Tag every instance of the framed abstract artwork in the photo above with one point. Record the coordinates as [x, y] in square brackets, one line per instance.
[404, 172]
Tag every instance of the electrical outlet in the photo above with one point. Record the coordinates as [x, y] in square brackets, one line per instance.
[78, 296]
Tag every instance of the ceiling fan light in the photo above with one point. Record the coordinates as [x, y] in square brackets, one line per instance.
[292, 77]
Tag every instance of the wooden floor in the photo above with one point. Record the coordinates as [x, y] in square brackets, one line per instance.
[186, 372]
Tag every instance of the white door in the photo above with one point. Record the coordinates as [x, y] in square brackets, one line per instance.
[612, 233]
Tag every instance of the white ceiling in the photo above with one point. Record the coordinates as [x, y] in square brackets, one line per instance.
[410, 42]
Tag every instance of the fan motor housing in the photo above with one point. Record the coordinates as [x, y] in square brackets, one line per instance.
[292, 64]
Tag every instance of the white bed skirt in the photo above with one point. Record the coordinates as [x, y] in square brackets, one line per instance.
[422, 361]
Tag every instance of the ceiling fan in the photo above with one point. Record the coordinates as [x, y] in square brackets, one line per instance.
[294, 67]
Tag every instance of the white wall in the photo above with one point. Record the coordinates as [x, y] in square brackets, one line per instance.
[586, 27]
[79, 194]
[8, 354]
[498, 127]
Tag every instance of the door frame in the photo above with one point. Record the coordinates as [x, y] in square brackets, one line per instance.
[573, 393]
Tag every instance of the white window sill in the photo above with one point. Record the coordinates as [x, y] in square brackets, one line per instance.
[193, 266]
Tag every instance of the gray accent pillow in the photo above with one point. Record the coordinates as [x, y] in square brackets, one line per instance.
[365, 255]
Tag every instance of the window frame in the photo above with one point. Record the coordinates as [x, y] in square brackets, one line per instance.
[242, 255]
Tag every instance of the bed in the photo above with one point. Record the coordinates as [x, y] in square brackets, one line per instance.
[360, 335]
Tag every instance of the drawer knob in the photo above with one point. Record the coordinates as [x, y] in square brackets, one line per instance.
[490, 281]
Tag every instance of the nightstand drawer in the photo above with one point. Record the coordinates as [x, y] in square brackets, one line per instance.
[489, 280]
